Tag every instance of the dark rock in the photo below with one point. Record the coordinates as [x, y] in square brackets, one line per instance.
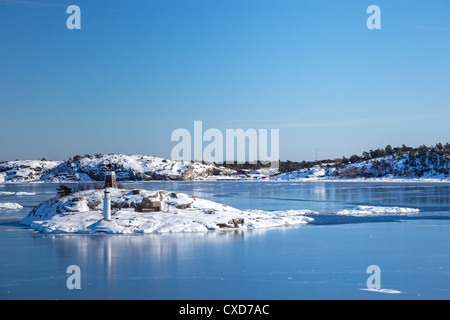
[236, 222]
[148, 205]
[183, 205]
[233, 223]
[92, 205]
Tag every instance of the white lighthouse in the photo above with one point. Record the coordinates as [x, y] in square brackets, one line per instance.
[106, 225]
[107, 205]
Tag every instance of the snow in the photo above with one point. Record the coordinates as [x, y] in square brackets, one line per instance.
[10, 206]
[377, 210]
[162, 211]
[327, 175]
[19, 193]
[129, 168]
[405, 168]
[25, 170]
[88, 169]
[390, 291]
[81, 213]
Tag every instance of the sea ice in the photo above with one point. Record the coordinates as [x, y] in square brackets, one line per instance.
[376, 210]
[10, 206]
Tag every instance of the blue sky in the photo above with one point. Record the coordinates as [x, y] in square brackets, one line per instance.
[137, 70]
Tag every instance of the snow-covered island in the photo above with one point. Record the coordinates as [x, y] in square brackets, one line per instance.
[425, 164]
[142, 211]
[389, 164]
[25, 170]
[92, 168]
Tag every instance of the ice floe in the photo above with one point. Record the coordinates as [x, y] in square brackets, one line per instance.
[377, 210]
[20, 193]
[10, 206]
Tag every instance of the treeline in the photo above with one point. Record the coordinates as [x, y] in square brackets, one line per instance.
[403, 162]
[439, 148]
[78, 157]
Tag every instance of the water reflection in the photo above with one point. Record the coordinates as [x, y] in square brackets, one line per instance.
[107, 259]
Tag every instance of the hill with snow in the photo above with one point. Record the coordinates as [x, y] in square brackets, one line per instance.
[426, 166]
[25, 170]
[89, 169]
[389, 164]
[130, 168]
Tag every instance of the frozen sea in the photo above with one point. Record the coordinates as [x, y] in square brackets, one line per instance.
[326, 259]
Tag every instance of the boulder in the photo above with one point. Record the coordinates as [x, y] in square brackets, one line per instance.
[232, 223]
[236, 222]
[148, 205]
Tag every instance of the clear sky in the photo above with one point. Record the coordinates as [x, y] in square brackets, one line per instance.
[137, 70]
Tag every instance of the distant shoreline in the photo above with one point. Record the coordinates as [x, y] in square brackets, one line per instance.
[302, 180]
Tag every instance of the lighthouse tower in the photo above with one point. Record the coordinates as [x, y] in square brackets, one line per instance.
[110, 178]
[107, 205]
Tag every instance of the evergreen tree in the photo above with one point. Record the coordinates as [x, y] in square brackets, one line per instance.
[388, 150]
[63, 191]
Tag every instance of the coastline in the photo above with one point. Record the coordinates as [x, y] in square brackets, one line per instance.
[362, 180]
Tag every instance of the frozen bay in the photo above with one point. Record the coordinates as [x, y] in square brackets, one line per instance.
[326, 259]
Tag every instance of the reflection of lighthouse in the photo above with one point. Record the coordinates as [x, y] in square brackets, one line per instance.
[110, 177]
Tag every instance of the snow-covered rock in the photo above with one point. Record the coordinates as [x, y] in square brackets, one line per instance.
[25, 170]
[87, 169]
[407, 167]
[314, 173]
[142, 211]
[129, 168]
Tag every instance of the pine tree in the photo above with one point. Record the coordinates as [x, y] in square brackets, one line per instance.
[388, 150]
[63, 191]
